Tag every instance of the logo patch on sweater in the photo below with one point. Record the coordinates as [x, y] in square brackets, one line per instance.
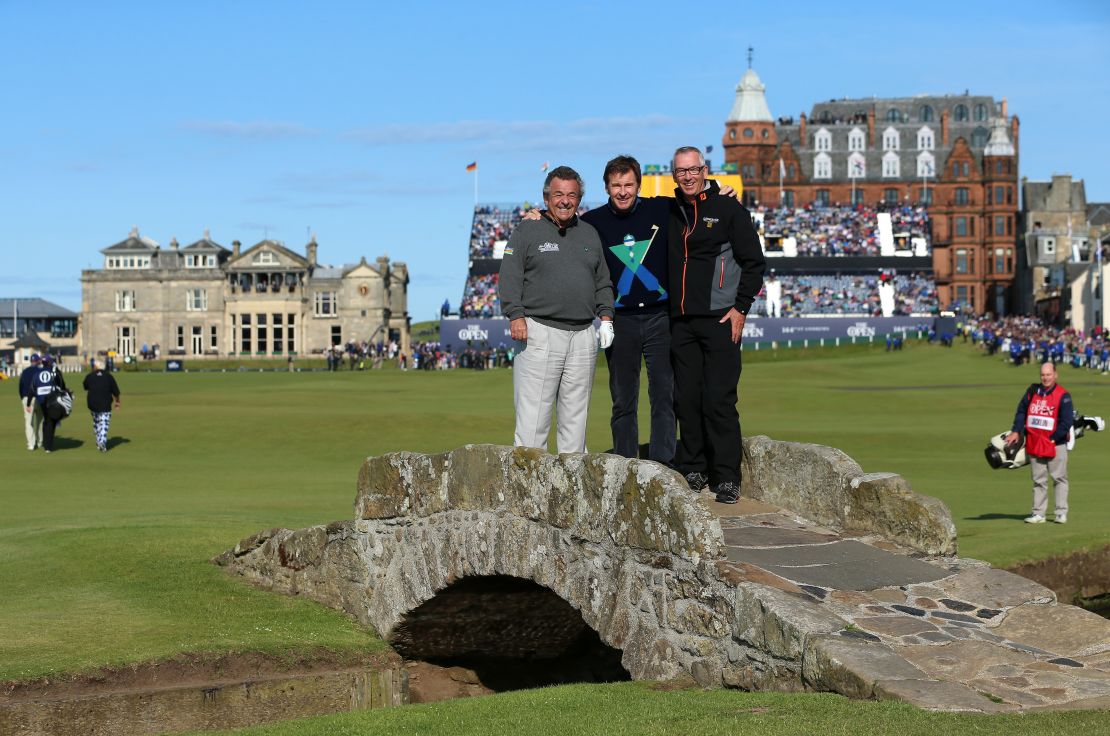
[549, 248]
[710, 221]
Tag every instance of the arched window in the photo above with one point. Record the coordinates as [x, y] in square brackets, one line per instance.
[979, 138]
[960, 113]
[925, 138]
[892, 165]
[891, 139]
[857, 166]
[822, 140]
[856, 139]
[926, 164]
[822, 166]
[926, 114]
[980, 112]
[893, 116]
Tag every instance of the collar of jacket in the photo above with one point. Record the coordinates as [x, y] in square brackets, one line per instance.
[711, 187]
[547, 216]
[623, 213]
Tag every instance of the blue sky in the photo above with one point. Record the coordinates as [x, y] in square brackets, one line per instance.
[355, 120]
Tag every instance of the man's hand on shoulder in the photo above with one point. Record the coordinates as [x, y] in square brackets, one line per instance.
[727, 191]
[532, 214]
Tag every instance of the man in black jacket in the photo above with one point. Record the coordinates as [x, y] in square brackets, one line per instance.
[101, 389]
[716, 267]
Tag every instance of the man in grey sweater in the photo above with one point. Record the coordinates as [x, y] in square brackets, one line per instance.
[553, 283]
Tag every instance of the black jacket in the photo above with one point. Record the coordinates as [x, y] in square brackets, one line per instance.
[101, 388]
[715, 259]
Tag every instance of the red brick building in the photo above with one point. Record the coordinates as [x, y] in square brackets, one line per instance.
[957, 154]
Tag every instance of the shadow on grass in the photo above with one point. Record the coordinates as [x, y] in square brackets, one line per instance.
[114, 442]
[993, 517]
[67, 443]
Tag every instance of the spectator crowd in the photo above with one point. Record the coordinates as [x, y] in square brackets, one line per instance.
[1020, 340]
[841, 231]
[852, 295]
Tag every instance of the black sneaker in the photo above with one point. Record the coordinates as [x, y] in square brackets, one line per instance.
[728, 492]
[696, 481]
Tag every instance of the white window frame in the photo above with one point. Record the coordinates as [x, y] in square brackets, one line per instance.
[125, 300]
[822, 140]
[196, 300]
[926, 140]
[822, 166]
[264, 258]
[926, 165]
[892, 141]
[892, 165]
[324, 304]
[857, 166]
[857, 140]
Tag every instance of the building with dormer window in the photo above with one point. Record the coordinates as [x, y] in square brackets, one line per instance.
[207, 301]
[955, 154]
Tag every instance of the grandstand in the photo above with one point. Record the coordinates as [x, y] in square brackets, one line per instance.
[829, 260]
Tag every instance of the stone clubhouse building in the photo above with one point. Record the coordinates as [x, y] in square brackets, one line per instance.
[205, 301]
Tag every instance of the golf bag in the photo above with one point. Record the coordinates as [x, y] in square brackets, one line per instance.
[999, 455]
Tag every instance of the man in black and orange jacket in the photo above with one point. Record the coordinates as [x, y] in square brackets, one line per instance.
[716, 266]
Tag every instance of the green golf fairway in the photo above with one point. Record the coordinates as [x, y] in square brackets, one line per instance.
[104, 557]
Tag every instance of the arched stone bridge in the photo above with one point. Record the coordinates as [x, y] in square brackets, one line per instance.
[822, 578]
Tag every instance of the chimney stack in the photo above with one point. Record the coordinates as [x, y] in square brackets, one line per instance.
[235, 245]
[310, 250]
[802, 130]
[871, 128]
[173, 243]
[944, 128]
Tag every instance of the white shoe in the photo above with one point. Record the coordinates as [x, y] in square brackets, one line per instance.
[1034, 519]
[1061, 518]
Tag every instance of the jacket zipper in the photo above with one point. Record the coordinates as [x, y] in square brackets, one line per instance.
[686, 253]
[721, 283]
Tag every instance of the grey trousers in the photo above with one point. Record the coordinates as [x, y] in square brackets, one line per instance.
[32, 423]
[556, 366]
[1057, 468]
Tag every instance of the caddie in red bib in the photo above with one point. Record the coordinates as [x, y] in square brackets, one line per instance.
[1045, 415]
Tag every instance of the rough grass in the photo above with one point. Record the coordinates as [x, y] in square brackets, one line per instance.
[641, 710]
[104, 557]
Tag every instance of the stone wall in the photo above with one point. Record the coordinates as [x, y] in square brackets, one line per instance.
[825, 485]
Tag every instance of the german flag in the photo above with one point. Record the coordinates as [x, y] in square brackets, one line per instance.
[472, 166]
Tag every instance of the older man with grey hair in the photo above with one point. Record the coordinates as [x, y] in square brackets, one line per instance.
[553, 283]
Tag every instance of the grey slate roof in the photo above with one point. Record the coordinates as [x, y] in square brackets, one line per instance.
[844, 115]
[1098, 213]
[134, 243]
[1036, 195]
[34, 308]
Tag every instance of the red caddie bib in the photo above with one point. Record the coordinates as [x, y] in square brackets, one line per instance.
[1040, 422]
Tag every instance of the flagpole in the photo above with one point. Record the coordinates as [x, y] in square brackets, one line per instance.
[475, 186]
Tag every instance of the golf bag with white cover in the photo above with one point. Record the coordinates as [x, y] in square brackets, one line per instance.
[999, 455]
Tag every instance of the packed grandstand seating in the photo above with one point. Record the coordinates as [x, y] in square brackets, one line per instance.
[480, 297]
[840, 231]
[851, 295]
[819, 231]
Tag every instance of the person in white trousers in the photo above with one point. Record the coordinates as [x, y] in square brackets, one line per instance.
[553, 283]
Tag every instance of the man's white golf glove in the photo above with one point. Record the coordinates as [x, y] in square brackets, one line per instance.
[605, 334]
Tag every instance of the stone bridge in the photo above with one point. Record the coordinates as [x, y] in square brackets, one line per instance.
[821, 578]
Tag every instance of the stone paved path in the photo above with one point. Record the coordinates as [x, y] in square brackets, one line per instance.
[949, 633]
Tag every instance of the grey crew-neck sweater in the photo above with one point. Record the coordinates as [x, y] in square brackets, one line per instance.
[559, 280]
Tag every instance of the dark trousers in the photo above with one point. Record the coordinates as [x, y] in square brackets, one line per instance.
[706, 371]
[48, 427]
[646, 337]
